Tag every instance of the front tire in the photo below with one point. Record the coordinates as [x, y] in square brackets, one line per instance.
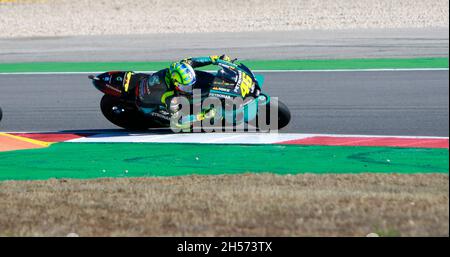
[284, 115]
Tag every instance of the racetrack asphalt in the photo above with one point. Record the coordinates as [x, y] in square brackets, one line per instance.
[350, 102]
[271, 45]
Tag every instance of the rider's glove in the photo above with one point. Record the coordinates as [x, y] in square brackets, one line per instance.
[206, 114]
[224, 57]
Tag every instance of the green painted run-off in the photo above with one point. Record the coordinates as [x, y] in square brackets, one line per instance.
[96, 160]
[382, 63]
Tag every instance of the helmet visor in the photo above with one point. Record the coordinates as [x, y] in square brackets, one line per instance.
[184, 88]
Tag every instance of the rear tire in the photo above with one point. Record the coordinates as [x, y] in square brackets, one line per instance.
[130, 119]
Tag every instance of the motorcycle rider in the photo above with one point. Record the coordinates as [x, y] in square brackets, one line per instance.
[178, 79]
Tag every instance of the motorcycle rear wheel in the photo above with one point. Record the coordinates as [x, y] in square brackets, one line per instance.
[130, 119]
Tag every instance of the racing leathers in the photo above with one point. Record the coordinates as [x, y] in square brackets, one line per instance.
[154, 93]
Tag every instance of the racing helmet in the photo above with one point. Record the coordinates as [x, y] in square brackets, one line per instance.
[182, 76]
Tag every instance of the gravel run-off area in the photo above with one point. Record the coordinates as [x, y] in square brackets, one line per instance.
[44, 18]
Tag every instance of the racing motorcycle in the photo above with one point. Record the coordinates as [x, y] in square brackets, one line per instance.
[231, 81]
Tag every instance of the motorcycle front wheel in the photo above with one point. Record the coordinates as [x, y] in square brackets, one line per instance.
[284, 115]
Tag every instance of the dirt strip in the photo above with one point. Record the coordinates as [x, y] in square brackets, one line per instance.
[238, 205]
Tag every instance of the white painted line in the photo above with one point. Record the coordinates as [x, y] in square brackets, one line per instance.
[260, 71]
[376, 136]
[102, 133]
[218, 138]
[200, 138]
